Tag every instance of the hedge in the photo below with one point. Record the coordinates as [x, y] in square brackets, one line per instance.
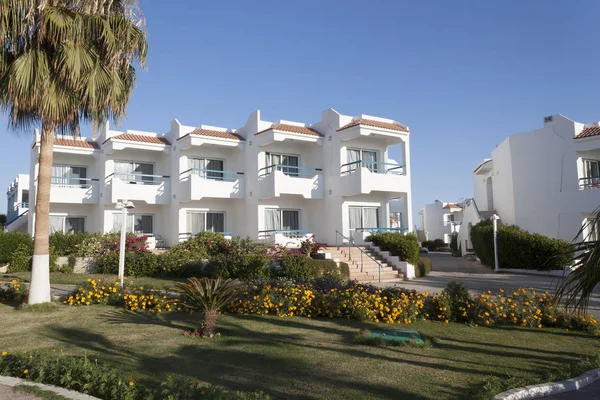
[518, 248]
[423, 267]
[404, 246]
[304, 269]
[435, 245]
[11, 241]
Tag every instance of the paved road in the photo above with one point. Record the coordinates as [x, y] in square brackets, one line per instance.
[478, 278]
[590, 392]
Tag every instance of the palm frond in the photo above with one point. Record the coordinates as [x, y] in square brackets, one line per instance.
[206, 294]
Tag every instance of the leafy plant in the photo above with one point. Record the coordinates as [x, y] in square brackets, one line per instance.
[404, 246]
[11, 241]
[207, 296]
[20, 259]
[423, 267]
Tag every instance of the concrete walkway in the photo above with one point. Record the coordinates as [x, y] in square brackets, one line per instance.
[478, 278]
[7, 393]
[590, 392]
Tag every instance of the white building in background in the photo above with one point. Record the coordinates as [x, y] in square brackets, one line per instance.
[545, 181]
[17, 204]
[440, 220]
[275, 181]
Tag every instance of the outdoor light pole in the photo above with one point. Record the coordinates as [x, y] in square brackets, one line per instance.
[125, 205]
[495, 219]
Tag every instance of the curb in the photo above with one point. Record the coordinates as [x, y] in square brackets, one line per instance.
[554, 273]
[70, 394]
[550, 388]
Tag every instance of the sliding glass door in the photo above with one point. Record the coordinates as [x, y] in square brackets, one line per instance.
[205, 222]
[356, 158]
[140, 224]
[69, 175]
[278, 220]
[363, 217]
[65, 224]
[207, 168]
[135, 172]
[288, 164]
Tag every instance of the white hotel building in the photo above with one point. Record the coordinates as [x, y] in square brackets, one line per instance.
[272, 181]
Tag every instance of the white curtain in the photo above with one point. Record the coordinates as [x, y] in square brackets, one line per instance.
[370, 219]
[272, 219]
[195, 222]
[56, 223]
[215, 222]
[355, 217]
[352, 157]
[369, 158]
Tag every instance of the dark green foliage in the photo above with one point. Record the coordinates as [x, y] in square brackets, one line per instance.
[435, 245]
[305, 269]
[10, 241]
[423, 267]
[345, 270]
[136, 264]
[66, 244]
[454, 246]
[519, 249]
[404, 246]
[20, 259]
[88, 376]
[458, 297]
[241, 259]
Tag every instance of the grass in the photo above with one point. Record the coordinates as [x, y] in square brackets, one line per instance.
[58, 278]
[38, 392]
[39, 308]
[295, 358]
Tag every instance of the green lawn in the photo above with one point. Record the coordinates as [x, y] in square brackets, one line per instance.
[58, 278]
[295, 358]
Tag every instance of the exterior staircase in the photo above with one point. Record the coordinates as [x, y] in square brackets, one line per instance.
[370, 268]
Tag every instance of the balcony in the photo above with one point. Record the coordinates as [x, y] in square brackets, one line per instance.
[364, 177]
[152, 189]
[200, 183]
[591, 182]
[278, 179]
[74, 190]
[287, 238]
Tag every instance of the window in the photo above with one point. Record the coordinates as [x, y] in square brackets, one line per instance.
[65, 224]
[25, 199]
[135, 172]
[140, 224]
[207, 168]
[591, 169]
[69, 176]
[395, 220]
[282, 220]
[206, 222]
[363, 217]
[285, 163]
[362, 158]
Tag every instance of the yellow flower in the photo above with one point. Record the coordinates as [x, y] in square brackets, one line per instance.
[130, 383]
[5, 353]
[26, 371]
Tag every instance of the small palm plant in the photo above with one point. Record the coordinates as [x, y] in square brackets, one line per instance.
[207, 296]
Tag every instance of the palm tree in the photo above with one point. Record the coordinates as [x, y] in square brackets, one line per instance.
[63, 61]
[577, 288]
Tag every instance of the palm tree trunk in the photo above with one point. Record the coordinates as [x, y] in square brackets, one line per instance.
[39, 290]
[209, 321]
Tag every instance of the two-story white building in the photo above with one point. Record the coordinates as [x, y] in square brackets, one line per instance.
[440, 220]
[545, 181]
[17, 204]
[273, 181]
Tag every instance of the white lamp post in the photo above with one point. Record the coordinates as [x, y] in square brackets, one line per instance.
[124, 205]
[495, 219]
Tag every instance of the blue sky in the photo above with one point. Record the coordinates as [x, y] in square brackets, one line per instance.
[461, 74]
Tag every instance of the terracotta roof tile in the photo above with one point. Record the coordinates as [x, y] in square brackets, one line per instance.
[293, 129]
[588, 132]
[141, 138]
[66, 141]
[376, 124]
[218, 134]
[452, 205]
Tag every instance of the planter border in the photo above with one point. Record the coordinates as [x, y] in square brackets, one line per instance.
[70, 394]
[550, 388]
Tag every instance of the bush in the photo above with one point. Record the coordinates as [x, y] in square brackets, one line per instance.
[20, 259]
[66, 244]
[10, 241]
[454, 245]
[423, 267]
[136, 264]
[519, 249]
[404, 246]
[434, 245]
[304, 269]
[240, 259]
[88, 376]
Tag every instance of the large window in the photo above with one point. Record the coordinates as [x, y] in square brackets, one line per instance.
[135, 172]
[282, 162]
[25, 199]
[141, 224]
[363, 217]
[205, 222]
[282, 220]
[591, 169]
[207, 168]
[65, 224]
[357, 158]
[69, 175]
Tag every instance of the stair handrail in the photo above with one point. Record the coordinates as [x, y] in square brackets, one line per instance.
[351, 245]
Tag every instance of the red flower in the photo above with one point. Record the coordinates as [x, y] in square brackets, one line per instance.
[185, 333]
[197, 334]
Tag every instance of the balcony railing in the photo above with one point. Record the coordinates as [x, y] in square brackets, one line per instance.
[382, 230]
[140, 179]
[373, 166]
[61, 181]
[589, 182]
[289, 233]
[290, 170]
[187, 235]
[214, 174]
[24, 204]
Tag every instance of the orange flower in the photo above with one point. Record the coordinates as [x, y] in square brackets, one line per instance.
[26, 371]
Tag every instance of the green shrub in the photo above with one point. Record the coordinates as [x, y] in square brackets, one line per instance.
[305, 269]
[20, 259]
[10, 241]
[423, 267]
[454, 244]
[65, 244]
[345, 270]
[136, 264]
[91, 377]
[404, 246]
[240, 259]
[518, 248]
[434, 245]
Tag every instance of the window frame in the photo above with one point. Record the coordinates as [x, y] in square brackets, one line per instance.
[281, 211]
[133, 215]
[269, 163]
[142, 181]
[362, 217]
[205, 175]
[373, 167]
[64, 218]
[205, 216]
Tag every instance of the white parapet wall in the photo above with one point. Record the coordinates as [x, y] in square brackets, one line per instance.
[394, 261]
